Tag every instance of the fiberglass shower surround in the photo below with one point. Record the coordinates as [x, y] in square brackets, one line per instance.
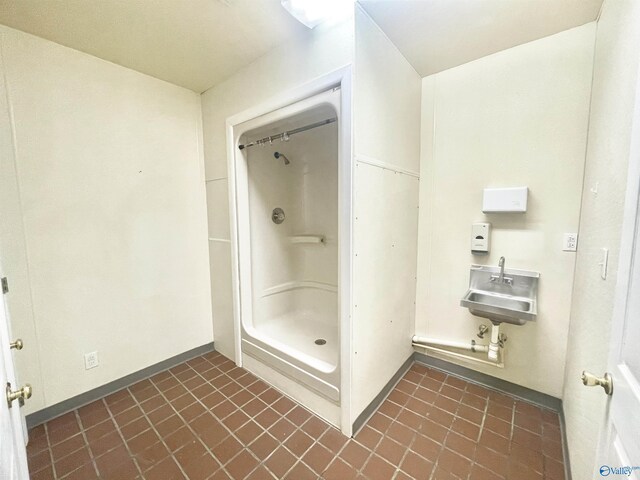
[288, 210]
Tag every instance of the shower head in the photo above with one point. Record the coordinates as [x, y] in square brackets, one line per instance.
[278, 155]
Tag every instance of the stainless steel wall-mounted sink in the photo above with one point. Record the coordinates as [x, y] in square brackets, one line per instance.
[502, 295]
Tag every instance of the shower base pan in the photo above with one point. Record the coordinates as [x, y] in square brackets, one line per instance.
[306, 358]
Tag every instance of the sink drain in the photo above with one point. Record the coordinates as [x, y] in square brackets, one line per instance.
[320, 341]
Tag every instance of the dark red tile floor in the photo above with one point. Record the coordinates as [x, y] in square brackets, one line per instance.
[208, 419]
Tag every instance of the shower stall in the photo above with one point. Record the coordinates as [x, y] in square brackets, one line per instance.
[288, 192]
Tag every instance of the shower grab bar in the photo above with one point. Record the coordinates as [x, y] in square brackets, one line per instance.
[284, 136]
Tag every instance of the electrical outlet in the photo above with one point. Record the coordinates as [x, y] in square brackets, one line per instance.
[90, 360]
[570, 243]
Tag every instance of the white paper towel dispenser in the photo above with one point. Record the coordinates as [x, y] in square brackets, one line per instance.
[504, 200]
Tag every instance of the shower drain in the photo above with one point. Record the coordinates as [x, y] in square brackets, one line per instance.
[320, 341]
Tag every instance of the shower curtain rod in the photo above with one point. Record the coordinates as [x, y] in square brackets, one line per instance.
[285, 135]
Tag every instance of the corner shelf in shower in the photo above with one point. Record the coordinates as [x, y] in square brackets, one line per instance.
[307, 239]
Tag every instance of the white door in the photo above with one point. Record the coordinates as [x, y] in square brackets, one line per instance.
[619, 449]
[13, 454]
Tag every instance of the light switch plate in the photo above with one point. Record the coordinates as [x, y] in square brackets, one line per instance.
[570, 243]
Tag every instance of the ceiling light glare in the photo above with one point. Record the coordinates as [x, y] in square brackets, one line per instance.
[314, 12]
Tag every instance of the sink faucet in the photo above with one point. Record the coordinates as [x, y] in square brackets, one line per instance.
[501, 279]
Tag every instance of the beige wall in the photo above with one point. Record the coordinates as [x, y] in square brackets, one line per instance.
[385, 219]
[518, 117]
[293, 64]
[110, 176]
[615, 74]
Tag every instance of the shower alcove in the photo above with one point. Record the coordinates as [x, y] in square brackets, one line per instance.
[287, 211]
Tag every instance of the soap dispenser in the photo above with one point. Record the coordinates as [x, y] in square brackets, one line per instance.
[480, 237]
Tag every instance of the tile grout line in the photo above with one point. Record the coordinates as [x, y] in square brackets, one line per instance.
[50, 448]
[436, 463]
[433, 405]
[513, 421]
[409, 449]
[124, 441]
[361, 469]
[485, 412]
[86, 442]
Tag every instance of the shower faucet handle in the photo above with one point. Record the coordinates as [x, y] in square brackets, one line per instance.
[277, 216]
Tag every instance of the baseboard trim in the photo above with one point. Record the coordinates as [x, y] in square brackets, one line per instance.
[532, 396]
[565, 445]
[377, 401]
[53, 411]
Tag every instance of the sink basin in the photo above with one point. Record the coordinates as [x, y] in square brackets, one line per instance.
[511, 301]
[502, 301]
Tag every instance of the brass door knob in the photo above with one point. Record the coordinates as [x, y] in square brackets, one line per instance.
[18, 345]
[21, 395]
[606, 382]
